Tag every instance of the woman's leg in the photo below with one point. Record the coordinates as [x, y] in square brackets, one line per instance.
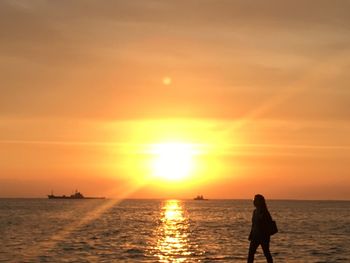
[252, 249]
[266, 248]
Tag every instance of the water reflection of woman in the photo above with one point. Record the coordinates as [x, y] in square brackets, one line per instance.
[259, 234]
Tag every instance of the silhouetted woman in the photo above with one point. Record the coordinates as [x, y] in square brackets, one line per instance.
[259, 234]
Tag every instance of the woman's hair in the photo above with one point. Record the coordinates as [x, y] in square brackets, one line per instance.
[259, 201]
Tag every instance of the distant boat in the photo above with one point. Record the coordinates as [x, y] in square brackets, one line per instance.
[199, 197]
[76, 195]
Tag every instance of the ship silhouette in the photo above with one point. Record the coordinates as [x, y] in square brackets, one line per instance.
[76, 195]
[200, 197]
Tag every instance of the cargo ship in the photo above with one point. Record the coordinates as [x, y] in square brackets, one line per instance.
[200, 198]
[76, 195]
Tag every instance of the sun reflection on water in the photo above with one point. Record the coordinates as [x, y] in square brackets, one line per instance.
[173, 244]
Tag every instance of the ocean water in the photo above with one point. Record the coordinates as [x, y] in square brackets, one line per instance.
[39, 230]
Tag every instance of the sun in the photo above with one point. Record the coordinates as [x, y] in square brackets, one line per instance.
[172, 161]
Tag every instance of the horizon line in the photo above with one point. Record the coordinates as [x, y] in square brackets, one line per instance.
[185, 199]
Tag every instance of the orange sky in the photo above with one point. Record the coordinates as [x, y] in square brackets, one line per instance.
[262, 86]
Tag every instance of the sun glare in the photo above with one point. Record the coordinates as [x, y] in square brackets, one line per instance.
[173, 161]
[167, 81]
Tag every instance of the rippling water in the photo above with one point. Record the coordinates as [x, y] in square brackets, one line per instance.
[37, 230]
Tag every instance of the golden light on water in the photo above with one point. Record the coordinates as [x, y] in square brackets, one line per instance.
[173, 243]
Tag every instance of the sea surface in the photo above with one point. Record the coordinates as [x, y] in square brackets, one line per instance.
[40, 230]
